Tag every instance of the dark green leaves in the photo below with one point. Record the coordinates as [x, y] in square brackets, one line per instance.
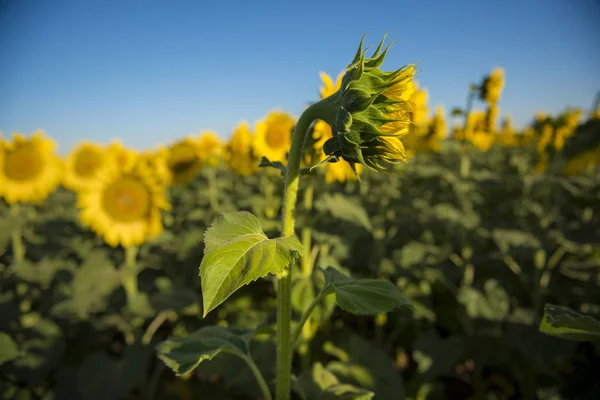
[568, 324]
[8, 348]
[238, 252]
[184, 354]
[363, 296]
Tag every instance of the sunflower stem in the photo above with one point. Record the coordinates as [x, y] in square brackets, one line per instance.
[320, 110]
[18, 247]
[307, 267]
[213, 188]
[130, 274]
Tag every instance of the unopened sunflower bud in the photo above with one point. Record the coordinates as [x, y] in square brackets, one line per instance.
[373, 112]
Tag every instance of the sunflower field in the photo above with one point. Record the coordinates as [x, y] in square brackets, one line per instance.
[489, 234]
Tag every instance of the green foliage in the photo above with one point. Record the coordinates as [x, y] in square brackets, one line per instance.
[528, 239]
[184, 354]
[363, 296]
[568, 324]
[238, 252]
[8, 348]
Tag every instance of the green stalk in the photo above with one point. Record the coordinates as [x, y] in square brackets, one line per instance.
[259, 378]
[307, 266]
[18, 248]
[130, 274]
[311, 307]
[320, 110]
[213, 188]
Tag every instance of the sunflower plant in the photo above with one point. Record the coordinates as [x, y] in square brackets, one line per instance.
[368, 114]
[30, 170]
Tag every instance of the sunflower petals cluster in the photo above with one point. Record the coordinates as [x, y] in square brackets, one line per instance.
[122, 204]
[372, 112]
[30, 169]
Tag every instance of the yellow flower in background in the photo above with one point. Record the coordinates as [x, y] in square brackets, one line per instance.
[156, 162]
[440, 130]
[508, 135]
[492, 86]
[30, 169]
[274, 136]
[420, 110]
[341, 172]
[476, 132]
[184, 160]
[122, 156]
[123, 205]
[329, 87]
[322, 130]
[83, 163]
[583, 161]
[211, 148]
[238, 152]
[491, 117]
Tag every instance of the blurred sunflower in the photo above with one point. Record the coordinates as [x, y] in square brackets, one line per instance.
[211, 148]
[156, 161]
[274, 136]
[29, 168]
[123, 204]
[238, 151]
[492, 85]
[82, 164]
[121, 155]
[184, 160]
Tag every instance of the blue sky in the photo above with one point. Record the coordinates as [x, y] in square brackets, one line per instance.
[149, 72]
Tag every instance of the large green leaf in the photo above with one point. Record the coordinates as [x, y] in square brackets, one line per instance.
[8, 348]
[238, 252]
[364, 296]
[184, 354]
[568, 324]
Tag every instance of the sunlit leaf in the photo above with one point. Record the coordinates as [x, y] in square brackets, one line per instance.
[568, 324]
[238, 252]
[8, 348]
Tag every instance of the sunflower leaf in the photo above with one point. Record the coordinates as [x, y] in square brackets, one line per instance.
[265, 162]
[9, 350]
[364, 296]
[184, 354]
[568, 324]
[238, 252]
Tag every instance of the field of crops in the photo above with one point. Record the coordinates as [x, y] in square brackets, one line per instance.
[475, 265]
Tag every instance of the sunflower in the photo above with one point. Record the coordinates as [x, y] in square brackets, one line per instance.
[121, 156]
[238, 152]
[211, 148]
[274, 136]
[29, 168]
[123, 204]
[156, 161]
[184, 160]
[83, 164]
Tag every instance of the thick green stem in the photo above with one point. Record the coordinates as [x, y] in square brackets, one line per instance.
[18, 248]
[307, 266]
[130, 274]
[213, 188]
[321, 110]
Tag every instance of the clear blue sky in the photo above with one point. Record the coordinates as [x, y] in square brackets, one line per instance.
[149, 72]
